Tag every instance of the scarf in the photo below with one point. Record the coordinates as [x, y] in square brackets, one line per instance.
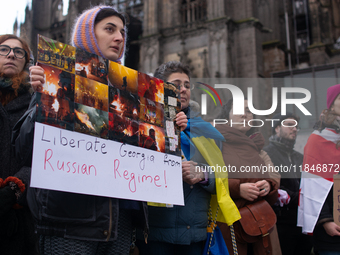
[5, 83]
[284, 143]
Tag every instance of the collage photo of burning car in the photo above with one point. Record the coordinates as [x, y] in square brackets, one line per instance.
[86, 93]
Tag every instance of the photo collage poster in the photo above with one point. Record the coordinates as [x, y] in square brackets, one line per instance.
[86, 93]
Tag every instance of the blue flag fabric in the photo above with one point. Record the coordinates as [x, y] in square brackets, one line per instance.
[197, 127]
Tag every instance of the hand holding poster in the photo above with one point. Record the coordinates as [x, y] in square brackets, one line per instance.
[102, 127]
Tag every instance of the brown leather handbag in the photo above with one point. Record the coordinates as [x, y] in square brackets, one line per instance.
[257, 221]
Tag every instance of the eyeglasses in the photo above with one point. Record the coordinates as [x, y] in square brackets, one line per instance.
[179, 84]
[291, 125]
[18, 52]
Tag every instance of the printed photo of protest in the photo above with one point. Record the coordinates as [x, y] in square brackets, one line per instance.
[123, 78]
[91, 121]
[91, 66]
[151, 112]
[150, 87]
[123, 103]
[58, 83]
[57, 54]
[91, 93]
[123, 129]
[172, 102]
[151, 137]
[172, 136]
[55, 111]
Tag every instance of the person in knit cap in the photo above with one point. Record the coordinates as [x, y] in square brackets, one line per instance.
[71, 223]
[100, 30]
[321, 154]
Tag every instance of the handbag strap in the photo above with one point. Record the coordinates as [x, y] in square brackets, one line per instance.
[213, 227]
[233, 239]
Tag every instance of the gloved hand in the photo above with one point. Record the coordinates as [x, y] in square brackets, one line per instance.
[9, 223]
[7, 200]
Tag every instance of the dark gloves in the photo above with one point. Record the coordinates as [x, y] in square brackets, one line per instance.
[7, 200]
[9, 223]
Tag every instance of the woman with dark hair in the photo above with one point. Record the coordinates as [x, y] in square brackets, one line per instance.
[101, 31]
[16, 223]
[320, 161]
[243, 148]
[74, 223]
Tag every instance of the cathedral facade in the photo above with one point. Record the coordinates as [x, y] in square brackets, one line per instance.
[217, 38]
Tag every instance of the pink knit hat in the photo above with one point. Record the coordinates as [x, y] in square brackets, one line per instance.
[83, 35]
[332, 93]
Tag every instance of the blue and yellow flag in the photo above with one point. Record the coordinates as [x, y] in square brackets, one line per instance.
[202, 135]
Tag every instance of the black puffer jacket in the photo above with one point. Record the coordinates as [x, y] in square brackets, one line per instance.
[22, 240]
[66, 214]
[290, 181]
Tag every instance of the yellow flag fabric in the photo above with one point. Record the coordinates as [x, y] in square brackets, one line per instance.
[156, 204]
[212, 154]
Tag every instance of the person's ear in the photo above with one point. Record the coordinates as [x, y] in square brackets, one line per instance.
[277, 129]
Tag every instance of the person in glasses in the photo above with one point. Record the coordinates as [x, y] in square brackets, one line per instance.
[282, 153]
[182, 229]
[16, 224]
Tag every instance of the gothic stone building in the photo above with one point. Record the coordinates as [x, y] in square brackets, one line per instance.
[217, 38]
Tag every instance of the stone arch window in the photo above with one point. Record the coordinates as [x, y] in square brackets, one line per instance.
[57, 11]
[132, 7]
[193, 10]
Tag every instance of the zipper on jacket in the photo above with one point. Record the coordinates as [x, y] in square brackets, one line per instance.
[145, 237]
[289, 158]
[110, 223]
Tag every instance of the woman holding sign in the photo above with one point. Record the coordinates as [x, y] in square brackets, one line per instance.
[73, 223]
[322, 159]
[16, 223]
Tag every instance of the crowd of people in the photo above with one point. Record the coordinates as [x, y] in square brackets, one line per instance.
[41, 221]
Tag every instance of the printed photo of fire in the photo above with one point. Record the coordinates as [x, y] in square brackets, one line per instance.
[150, 87]
[86, 93]
[151, 112]
[91, 93]
[58, 83]
[91, 121]
[123, 129]
[123, 78]
[91, 66]
[56, 54]
[55, 111]
[151, 137]
[123, 103]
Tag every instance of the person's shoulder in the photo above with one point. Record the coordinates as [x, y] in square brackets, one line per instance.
[298, 154]
[269, 148]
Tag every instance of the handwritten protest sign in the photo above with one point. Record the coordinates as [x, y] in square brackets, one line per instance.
[101, 128]
[74, 162]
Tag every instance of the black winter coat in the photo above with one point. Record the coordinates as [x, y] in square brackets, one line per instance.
[290, 181]
[70, 215]
[323, 241]
[23, 241]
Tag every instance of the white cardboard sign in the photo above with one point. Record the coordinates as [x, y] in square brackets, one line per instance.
[78, 163]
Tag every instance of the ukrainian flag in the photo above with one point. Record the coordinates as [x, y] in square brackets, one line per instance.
[200, 135]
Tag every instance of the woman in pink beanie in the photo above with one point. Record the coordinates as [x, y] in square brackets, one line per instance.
[100, 30]
[70, 223]
[322, 159]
